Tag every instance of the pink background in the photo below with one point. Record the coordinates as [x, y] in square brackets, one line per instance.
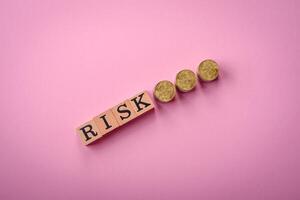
[63, 62]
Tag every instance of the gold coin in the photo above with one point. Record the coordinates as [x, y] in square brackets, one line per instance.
[186, 80]
[164, 91]
[208, 70]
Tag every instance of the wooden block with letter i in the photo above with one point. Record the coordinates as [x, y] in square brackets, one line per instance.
[123, 112]
[106, 122]
[141, 103]
[89, 132]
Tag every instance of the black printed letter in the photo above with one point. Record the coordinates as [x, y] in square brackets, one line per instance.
[88, 129]
[124, 111]
[137, 103]
[106, 122]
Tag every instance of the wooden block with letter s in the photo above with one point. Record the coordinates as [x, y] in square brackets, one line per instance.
[123, 112]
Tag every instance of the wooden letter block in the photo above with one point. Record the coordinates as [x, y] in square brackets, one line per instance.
[141, 103]
[123, 112]
[115, 117]
[106, 122]
[89, 132]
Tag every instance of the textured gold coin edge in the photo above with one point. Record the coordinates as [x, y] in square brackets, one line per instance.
[174, 93]
[182, 90]
[198, 71]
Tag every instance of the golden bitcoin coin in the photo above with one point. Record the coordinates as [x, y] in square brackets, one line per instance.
[186, 80]
[164, 91]
[208, 70]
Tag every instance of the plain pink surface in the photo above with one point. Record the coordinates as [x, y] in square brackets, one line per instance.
[63, 62]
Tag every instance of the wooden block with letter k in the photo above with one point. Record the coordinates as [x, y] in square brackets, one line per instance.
[141, 103]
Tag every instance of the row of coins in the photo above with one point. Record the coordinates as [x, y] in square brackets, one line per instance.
[186, 80]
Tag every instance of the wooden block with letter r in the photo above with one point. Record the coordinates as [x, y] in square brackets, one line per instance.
[88, 132]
